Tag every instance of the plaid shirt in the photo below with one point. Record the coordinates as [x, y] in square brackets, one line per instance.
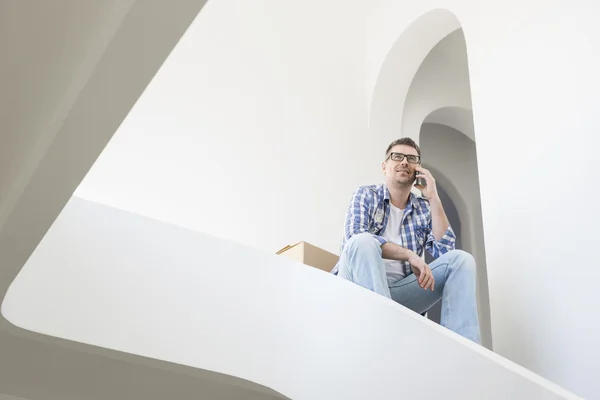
[369, 211]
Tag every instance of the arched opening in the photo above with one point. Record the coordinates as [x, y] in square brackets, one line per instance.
[438, 107]
[400, 66]
[451, 156]
[458, 118]
[432, 104]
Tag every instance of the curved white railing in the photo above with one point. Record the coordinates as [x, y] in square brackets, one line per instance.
[108, 278]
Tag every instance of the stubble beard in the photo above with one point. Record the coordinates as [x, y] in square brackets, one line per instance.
[403, 183]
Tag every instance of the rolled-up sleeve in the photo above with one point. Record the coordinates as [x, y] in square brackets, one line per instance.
[438, 247]
[358, 216]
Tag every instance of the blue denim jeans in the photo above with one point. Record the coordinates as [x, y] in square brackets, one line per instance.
[454, 272]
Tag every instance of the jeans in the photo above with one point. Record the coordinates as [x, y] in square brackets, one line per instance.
[361, 262]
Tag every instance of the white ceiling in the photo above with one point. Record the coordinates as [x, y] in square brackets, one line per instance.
[45, 47]
[9, 397]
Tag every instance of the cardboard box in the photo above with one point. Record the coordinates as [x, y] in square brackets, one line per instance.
[308, 254]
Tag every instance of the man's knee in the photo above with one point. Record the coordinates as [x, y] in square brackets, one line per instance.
[362, 242]
[463, 261]
[361, 262]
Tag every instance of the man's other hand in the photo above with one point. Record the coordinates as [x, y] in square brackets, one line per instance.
[422, 271]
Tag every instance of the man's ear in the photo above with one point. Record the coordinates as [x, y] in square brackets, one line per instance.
[383, 165]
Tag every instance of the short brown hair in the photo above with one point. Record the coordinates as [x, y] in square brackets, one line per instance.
[405, 141]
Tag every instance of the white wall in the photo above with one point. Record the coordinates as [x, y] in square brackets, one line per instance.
[452, 158]
[253, 129]
[108, 278]
[535, 91]
[535, 87]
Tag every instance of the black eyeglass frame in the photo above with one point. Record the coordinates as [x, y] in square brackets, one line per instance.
[401, 155]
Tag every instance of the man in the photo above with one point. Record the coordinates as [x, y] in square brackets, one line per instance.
[388, 227]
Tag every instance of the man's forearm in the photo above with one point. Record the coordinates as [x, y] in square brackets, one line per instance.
[392, 251]
[439, 221]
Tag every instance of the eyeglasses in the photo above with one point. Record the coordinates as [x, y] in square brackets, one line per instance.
[412, 159]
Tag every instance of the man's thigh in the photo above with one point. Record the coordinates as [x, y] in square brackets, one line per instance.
[408, 292]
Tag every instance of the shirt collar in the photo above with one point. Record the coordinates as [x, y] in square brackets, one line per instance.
[386, 193]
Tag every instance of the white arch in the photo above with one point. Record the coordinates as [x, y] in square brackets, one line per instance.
[435, 87]
[400, 66]
[458, 118]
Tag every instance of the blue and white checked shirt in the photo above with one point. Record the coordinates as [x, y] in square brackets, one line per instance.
[369, 211]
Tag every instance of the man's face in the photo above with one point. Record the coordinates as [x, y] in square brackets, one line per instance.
[400, 172]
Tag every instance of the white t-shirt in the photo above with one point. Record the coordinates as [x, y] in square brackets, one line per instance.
[394, 269]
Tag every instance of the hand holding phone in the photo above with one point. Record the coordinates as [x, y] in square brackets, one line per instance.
[419, 181]
[426, 183]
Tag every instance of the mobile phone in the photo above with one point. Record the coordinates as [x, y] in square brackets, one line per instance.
[420, 181]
